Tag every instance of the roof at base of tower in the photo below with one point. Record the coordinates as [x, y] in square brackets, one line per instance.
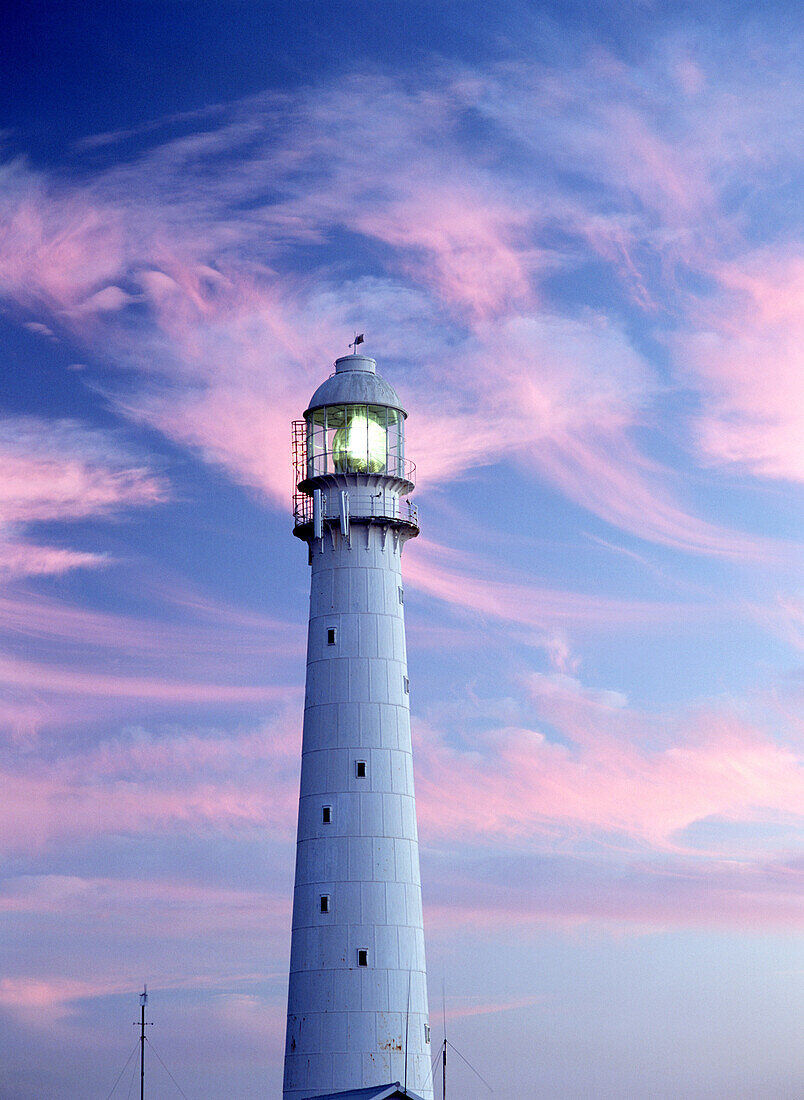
[394, 1091]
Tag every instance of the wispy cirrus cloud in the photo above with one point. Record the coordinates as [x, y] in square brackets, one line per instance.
[208, 630]
[525, 892]
[616, 773]
[62, 470]
[204, 906]
[181, 782]
[51, 999]
[47, 1001]
[83, 665]
[478, 587]
[56, 680]
[746, 360]
[469, 239]
[20, 558]
[581, 274]
[485, 1007]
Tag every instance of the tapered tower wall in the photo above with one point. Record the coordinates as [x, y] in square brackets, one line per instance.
[357, 1001]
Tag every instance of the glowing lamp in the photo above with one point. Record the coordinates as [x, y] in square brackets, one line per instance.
[360, 446]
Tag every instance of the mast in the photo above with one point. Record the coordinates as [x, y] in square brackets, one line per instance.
[143, 1003]
[444, 1050]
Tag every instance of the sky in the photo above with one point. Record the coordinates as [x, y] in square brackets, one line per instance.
[572, 235]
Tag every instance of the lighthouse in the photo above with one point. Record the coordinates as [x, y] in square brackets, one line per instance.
[357, 997]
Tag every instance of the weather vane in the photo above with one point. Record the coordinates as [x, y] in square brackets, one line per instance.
[357, 340]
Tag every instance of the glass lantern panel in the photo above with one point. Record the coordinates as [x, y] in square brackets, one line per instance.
[336, 418]
[378, 438]
[317, 443]
[395, 443]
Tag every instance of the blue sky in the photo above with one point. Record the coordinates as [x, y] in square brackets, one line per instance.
[573, 240]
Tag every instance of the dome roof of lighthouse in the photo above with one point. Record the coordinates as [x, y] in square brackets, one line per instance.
[355, 382]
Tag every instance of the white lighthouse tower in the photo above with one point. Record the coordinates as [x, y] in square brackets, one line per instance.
[357, 1001]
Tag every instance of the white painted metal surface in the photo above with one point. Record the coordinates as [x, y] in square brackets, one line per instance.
[357, 970]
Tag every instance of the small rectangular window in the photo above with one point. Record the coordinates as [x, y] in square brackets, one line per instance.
[427, 1033]
[360, 769]
[325, 903]
[332, 635]
[406, 684]
[362, 956]
[326, 815]
[401, 594]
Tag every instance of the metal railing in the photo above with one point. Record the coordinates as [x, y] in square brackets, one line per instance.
[383, 505]
[395, 510]
[302, 509]
[328, 462]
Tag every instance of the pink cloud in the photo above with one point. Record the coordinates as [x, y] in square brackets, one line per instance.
[522, 382]
[276, 345]
[60, 470]
[458, 1011]
[786, 615]
[58, 246]
[607, 474]
[216, 655]
[214, 629]
[649, 178]
[561, 396]
[668, 179]
[56, 680]
[520, 897]
[173, 906]
[602, 780]
[52, 997]
[23, 718]
[66, 814]
[573, 389]
[665, 159]
[478, 587]
[46, 1002]
[185, 784]
[473, 248]
[26, 559]
[746, 359]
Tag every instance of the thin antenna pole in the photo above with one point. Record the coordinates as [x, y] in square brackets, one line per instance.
[444, 1053]
[143, 1002]
[407, 1023]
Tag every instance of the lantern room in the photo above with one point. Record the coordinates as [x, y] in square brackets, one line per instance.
[355, 439]
[354, 424]
[352, 440]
